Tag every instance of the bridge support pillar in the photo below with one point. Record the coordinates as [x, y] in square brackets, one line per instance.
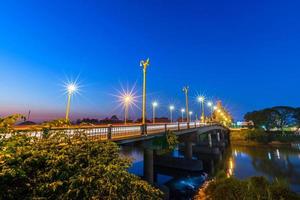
[209, 140]
[148, 166]
[218, 136]
[188, 150]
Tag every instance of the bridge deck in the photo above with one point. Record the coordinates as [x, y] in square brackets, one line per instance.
[119, 133]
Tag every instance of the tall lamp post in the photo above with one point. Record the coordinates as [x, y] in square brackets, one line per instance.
[182, 111]
[210, 105]
[191, 113]
[171, 112]
[127, 101]
[201, 99]
[154, 105]
[144, 64]
[186, 91]
[71, 89]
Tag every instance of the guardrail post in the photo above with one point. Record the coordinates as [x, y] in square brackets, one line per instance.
[195, 124]
[109, 131]
[166, 128]
[188, 125]
[144, 129]
[178, 126]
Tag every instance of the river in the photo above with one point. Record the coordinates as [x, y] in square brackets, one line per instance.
[282, 162]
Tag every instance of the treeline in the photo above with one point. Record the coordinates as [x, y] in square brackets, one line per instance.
[278, 117]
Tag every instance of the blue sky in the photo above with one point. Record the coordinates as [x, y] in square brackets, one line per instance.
[245, 53]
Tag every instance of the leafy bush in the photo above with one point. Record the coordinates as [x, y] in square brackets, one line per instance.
[63, 167]
[262, 136]
[259, 135]
[224, 188]
[172, 140]
[166, 143]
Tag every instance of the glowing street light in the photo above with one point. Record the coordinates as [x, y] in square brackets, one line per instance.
[191, 113]
[171, 112]
[144, 64]
[154, 105]
[186, 91]
[71, 88]
[201, 100]
[182, 112]
[210, 105]
[127, 99]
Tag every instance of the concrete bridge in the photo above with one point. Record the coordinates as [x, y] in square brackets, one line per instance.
[201, 144]
[123, 134]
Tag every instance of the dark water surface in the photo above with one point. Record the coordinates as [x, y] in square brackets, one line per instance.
[272, 162]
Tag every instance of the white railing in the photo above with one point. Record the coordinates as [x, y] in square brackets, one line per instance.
[118, 131]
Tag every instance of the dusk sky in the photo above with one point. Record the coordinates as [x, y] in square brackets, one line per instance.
[245, 53]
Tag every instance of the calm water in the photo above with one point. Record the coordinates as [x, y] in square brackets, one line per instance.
[271, 162]
[280, 162]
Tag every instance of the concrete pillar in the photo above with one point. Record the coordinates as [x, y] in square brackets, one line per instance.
[218, 136]
[148, 166]
[188, 150]
[209, 140]
[222, 135]
[220, 157]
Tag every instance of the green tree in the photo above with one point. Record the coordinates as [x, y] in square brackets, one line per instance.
[275, 117]
[64, 167]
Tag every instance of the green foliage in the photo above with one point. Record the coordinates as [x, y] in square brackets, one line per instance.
[7, 123]
[262, 136]
[63, 167]
[259, 135]
[254, 188]
[172, 140]
[275, 117]
[167, 143]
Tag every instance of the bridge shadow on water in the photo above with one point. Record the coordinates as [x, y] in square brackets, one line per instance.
[181, 172]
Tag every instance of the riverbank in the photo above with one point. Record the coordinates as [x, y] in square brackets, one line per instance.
[247, 159]
[258, 138]
[255, 187]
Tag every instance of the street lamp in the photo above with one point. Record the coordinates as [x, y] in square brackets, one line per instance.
[190, 113]
[186, 91]
[71, 89]
[201, 100]
[171, 112]
[182, 111]
[127, 100]
[144, 64]
[154, 105]
[210, 105]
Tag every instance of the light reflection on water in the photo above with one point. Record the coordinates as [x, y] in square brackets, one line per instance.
[280, 162]
[242, 162]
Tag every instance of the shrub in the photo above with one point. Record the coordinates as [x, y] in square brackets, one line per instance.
[249, 189]
[259, 135]
[63, 167]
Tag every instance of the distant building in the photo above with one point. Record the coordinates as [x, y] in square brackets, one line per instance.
[245, 124]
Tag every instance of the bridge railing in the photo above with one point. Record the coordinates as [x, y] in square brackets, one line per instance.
[104, 132]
